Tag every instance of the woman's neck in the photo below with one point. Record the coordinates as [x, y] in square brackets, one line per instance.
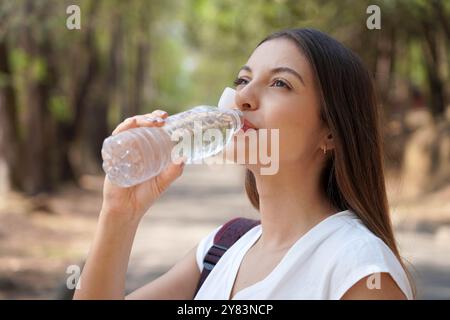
[291, 202]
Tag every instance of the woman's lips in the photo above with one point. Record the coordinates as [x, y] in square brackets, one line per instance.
[248, 125]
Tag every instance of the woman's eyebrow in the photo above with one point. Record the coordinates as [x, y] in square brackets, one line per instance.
[279, 70]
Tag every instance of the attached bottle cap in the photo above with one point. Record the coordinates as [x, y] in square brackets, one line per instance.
[227, 99]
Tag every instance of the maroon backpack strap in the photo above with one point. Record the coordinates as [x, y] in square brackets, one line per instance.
[223, 240]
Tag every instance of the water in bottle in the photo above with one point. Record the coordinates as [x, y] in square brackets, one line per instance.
[138, 154]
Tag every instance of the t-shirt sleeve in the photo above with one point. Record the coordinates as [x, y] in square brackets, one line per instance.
[362, 258]
[204, 246]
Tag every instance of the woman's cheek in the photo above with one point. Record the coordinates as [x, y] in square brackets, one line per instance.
[291, 143]
[287, 148]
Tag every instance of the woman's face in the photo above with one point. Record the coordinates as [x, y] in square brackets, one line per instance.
[276, 90]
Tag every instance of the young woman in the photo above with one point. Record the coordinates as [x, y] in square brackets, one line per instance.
[325, 230]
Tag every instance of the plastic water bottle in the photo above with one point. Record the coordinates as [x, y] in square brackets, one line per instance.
[138, 154]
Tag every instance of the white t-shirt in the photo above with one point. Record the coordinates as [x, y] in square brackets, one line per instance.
[323, 264]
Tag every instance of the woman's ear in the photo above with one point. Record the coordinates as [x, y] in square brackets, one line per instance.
[327, 142]
[330, 141]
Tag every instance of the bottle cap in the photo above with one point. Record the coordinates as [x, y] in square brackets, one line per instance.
[227, 99]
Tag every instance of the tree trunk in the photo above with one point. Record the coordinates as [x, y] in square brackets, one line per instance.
[95, 125]
[70, 134]
[439, 11]
[37, 119]
[385, 65]
[140, 73]
[140, 51]
[432, 63]
[9, 139]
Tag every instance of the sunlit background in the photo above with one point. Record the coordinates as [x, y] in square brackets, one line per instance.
[63, 91]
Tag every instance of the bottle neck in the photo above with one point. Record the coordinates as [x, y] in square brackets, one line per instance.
[238, 117]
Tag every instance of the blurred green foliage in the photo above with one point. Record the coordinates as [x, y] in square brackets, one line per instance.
[135, 56]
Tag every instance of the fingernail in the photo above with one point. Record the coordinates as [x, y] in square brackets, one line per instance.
[159, 120]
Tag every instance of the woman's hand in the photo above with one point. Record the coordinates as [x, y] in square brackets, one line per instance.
[132, 203]
[104, 272]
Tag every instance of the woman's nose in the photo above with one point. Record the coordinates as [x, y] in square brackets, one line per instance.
[246, 100]
[245, 106]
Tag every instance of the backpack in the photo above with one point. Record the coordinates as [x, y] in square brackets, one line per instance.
[230, 232]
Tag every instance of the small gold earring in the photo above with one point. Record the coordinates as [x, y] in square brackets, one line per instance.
[325, 150]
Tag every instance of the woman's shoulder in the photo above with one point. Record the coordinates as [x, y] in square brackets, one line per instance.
[357, 253]
[352, 232]
[353, 243]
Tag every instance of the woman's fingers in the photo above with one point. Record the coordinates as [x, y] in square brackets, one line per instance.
[158, 113]
[170, 174]
[154, 119]
[125, 125]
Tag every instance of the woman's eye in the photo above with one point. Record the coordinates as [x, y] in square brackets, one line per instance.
[280, 83]
[276, 83]
[239, 81]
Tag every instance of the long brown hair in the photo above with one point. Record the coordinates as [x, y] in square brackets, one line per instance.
[353, 176]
